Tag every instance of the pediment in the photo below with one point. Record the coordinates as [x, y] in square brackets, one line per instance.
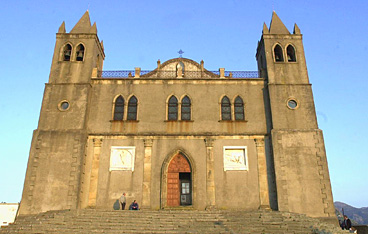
[189, 65]
[180, 68]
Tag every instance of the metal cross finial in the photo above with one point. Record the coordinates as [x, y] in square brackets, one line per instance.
[180, 53]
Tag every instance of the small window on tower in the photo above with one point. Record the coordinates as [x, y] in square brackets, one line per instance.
[67, 52]
[291, 53]
[80, 52]
[292, 103]
[63, 105]
[278, 54]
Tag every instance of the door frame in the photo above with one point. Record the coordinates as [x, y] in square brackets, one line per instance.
[164, 172]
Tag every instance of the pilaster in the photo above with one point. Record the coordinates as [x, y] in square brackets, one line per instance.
[210, 175]
[146, 199]
[262, 174]
[94, 172]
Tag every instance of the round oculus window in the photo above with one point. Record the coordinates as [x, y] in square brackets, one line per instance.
[292, 104]
[64, 105]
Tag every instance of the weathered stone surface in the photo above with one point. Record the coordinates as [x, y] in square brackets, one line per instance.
[280, 148]
[168, 221]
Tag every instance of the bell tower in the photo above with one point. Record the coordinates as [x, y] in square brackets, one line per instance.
[76, 53]
[54, 166]
[297, 146]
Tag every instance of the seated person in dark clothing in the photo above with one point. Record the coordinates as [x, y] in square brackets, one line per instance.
[346, 223]
[134, 206]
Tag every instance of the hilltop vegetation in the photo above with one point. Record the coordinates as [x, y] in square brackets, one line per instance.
[356, 215]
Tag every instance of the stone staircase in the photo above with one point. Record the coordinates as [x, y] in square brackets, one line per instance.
[168, 221]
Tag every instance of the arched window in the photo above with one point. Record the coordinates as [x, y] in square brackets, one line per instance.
[278, 54]
[291, 53]
[132, 108]
[239, 108]
[119, 108]
[79, 52]
[185, 108]
[225, 109]
[67, 52]
[173, 108]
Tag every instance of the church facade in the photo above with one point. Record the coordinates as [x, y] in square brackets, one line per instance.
[180, 135]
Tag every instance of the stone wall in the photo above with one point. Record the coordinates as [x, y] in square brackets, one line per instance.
[303, 183]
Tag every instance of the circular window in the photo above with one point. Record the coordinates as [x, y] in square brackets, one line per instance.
[64, 105]
[292, 104]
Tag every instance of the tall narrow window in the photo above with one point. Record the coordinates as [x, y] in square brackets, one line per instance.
[185, 108]
[278, 54]
[67, 52]
[132, 108]
[173, 108]
[291, 53]
[80, 52]
[239, 108]
[119, 108]
[225, 109]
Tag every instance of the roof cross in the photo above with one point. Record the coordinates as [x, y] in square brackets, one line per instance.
[180, 52]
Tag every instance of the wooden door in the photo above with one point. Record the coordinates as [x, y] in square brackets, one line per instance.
[178, 165]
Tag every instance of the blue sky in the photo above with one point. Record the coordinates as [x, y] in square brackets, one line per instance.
[223, 34]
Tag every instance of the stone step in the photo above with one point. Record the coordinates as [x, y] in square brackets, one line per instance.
[167, 221]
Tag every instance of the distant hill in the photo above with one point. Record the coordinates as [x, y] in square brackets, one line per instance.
[359, 215]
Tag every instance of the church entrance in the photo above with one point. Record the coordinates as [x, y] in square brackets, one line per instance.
[179, 182]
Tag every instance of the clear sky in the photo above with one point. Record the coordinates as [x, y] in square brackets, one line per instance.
[222, 33]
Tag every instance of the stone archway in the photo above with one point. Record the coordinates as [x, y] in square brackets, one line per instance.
[177, 181]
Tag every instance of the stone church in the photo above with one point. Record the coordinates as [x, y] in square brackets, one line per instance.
[179, 136]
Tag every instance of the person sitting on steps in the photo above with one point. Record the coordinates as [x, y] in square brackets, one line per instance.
[134, 206]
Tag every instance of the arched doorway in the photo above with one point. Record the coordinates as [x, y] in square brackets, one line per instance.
[179, 181]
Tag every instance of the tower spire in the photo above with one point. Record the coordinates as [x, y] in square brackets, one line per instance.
[83, 25]
[277, 26]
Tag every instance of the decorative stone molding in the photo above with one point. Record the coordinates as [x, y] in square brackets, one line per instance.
[209, 142]
[259, 142]
[97, 142]
[148, 142]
